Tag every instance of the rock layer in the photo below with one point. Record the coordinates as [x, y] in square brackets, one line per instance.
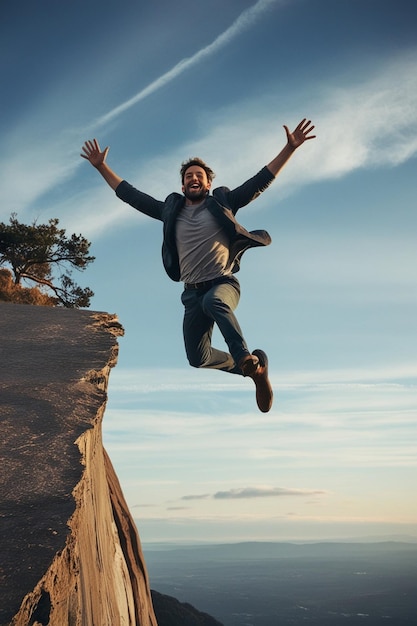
[70, 553]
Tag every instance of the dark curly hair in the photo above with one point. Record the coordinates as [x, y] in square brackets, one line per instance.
[196, 161]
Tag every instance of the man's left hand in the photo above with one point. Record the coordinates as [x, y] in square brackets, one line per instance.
[300, 134]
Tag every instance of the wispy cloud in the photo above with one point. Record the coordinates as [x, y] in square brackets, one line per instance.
[245, 20]
[362, 125]
[247, 493]
[367, 123]
[348, 418]
[149, 381]
[45, 162]
[202, 496]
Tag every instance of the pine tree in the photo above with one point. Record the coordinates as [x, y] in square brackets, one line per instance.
[44, 255]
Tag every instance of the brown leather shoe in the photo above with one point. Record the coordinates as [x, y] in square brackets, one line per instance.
[249, 364]
[255, 366]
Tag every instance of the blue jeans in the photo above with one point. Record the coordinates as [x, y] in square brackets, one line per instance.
[203, 309]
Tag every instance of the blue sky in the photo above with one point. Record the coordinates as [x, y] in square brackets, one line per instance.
[332, 300]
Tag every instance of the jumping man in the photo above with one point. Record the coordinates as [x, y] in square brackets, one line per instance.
[202, 247]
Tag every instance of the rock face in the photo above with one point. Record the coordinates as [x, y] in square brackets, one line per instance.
[171, 612]
[70, 553]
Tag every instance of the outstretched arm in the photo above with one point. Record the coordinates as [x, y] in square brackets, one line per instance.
[97, 158]
[294, 141]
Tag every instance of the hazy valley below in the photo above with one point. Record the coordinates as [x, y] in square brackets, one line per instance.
[278, 584]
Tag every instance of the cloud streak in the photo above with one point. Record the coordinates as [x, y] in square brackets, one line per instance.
[264, 492]
[149, 381]
[242, 23]
[248, 493]
[364, 125]
[46, 163]
[376, 135]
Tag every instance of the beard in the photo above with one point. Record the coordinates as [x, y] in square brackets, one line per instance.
[196, 195]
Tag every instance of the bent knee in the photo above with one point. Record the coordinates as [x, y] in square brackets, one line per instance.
[197, 361]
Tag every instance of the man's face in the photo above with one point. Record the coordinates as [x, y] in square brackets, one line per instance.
[196, 184]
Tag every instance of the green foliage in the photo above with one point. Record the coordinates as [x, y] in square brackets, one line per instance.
[41, 253]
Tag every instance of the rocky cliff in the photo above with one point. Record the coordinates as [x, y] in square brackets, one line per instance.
[69, 550]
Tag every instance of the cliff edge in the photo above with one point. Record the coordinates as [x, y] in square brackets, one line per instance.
[70, 553]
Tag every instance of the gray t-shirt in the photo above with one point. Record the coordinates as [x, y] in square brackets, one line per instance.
[203, 247]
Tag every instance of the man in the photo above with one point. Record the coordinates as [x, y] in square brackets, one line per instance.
[202, 247]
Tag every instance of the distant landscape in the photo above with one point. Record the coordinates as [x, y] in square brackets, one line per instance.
[279, 584]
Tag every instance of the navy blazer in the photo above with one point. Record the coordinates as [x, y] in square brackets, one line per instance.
[223, 204]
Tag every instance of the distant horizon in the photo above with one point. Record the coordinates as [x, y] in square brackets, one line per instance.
[286, 583]
[374, 538]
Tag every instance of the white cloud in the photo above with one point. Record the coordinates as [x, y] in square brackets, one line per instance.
[140, 381]
[264, 492]
[29, 169]
[39, 159]
[358, 126]
[367, 124]
[242, 23]
[348, 418]
[245, 493]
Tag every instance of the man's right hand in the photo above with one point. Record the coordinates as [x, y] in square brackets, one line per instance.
[91, 151]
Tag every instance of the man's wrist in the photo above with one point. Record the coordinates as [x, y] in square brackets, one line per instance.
[291, 148]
